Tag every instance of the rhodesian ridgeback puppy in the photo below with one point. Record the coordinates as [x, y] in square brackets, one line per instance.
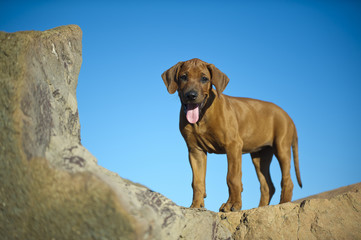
[211, 122]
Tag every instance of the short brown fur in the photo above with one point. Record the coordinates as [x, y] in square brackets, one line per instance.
[232, 126]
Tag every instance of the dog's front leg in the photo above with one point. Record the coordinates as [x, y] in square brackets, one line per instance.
[198, 161]
[234, 179]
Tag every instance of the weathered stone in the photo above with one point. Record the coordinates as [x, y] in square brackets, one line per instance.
[39, 137]
[317, 217]
[52, 188]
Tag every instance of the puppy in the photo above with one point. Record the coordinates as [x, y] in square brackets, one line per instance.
[211, 122]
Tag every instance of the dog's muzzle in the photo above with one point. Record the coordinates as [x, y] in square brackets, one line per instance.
[193, 110]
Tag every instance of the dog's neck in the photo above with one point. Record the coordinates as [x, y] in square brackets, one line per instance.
[210, 101]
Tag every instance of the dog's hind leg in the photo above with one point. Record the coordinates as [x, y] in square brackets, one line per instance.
[261, 161]
[283, 154]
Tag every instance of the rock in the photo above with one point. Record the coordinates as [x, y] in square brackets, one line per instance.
[52, 188]
[317, 217]
[46, 191]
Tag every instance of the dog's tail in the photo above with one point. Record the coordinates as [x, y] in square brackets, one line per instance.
[295, 157]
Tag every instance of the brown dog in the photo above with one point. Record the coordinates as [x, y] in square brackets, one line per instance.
[216, 123]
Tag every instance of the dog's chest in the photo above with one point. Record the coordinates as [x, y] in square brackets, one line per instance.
[200, 135]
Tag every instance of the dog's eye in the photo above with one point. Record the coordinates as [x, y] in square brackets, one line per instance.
[204, 79]
[183, 77]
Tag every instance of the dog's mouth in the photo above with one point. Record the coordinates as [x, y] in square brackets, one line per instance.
[193, 111]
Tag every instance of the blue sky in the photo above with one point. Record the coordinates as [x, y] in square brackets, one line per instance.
[305, 56]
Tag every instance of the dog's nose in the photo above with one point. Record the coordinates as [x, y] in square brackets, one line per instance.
[191, 95]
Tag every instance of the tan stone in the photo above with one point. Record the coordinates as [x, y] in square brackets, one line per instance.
[319, 217]
[39, 72]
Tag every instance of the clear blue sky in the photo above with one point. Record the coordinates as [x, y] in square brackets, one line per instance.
[304, 56]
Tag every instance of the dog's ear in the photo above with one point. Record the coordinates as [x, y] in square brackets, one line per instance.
[170, 78]
[219, 79]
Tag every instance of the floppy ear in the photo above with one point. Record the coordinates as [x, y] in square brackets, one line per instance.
[219, 79]
[170, 78]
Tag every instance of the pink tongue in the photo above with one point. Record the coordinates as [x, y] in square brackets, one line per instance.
[192, 113]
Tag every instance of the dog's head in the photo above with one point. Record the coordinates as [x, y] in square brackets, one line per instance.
[193, 80]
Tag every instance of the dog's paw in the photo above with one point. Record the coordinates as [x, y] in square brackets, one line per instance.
[230, 207]
[197, 204]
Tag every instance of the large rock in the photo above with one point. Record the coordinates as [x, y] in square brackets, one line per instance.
[52, 188]
[331, 215]
[41, 196]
